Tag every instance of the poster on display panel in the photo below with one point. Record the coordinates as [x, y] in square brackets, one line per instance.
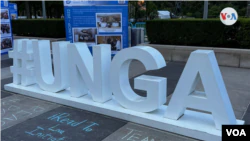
[13, 11]
[6, 29]
[97, 22]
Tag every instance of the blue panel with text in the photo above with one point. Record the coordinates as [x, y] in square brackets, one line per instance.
[6, 31]
[97, 22]
[13, 11]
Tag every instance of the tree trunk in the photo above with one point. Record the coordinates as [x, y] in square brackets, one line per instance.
[31, 11]
[49, 12]
[136, 11]
[56, 12]
[27, 9]
[35, 12]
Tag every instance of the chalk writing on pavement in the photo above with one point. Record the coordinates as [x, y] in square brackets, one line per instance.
[51, 133]
[136, 135]
[10, 111]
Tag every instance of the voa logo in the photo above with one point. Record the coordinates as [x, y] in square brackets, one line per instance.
[236, 132]
[228, 16]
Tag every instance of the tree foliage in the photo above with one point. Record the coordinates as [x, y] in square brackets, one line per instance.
[144, 9]
[151, 10]
[53, 8]
[195, 8]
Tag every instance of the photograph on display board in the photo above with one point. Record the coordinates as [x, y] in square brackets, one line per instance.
[6, 43]
[114, 40]
[5, 3]
[5, 30]
[5, 15]
[109, 22]
[86, 34]
[13, 16]
[121, 1]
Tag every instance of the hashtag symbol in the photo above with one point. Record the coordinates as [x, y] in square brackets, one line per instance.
[23, 62]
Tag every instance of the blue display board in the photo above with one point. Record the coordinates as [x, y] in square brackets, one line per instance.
[6, 30]
[4, 3]
[13, 11]
[97, 22]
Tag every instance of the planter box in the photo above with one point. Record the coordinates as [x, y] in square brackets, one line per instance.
[225, 56]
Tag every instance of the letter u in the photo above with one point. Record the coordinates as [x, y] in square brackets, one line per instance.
[43, 64]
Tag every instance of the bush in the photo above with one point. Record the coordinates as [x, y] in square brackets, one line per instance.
[199, 33]
[39, 28]
[243, 36]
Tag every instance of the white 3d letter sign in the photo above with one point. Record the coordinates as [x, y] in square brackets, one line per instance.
[88, 81]
[23, 62]
[214, 99]
[155, 86]
[44, 73]
[90, 73]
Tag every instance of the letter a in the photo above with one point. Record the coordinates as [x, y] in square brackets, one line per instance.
[242, 132]
[215, 99]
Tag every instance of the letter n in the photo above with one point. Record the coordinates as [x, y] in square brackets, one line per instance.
[214, 99]
[90, 73]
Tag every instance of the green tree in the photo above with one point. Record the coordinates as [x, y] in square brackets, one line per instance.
[195, 7]
[248, 9]
[53, 8]
[151, 10]
[214, 11]
[135, 7]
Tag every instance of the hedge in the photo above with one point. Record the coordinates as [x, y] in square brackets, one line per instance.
[39, 28]
[211, 33]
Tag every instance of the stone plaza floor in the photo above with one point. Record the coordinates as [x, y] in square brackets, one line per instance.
[28, 119]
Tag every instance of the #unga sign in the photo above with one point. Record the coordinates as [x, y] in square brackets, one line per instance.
[97, 84]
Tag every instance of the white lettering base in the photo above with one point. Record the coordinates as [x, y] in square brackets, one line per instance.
[192, 124]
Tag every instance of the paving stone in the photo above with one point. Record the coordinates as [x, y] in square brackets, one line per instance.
[6, 63]
[6, 81]
[237, 88]
[238, 115]
[172, 72]
[247, 118]
[4, 57]
[135, 132]
[136, 68]
[5, 94]
[16, 109]
[5, 73]
[64, 124]
[248, 109]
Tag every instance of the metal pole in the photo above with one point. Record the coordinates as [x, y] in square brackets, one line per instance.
[44, 9]
[205, 13]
